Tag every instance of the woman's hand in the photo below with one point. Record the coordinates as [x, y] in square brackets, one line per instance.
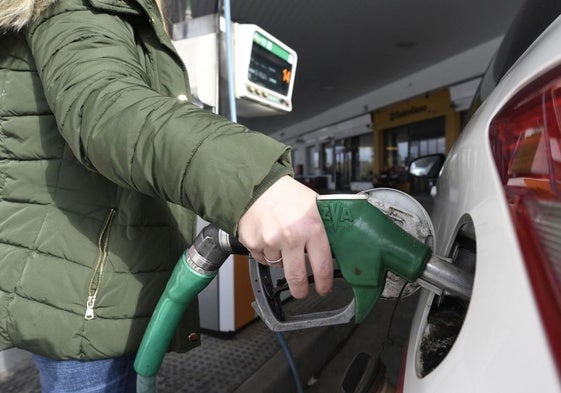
[284, 222]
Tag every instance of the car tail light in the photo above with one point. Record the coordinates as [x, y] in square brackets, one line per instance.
[525, 139]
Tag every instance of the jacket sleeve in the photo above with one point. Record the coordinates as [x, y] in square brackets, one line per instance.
[117, 125]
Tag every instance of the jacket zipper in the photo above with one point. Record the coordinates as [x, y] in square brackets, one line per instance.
[97, 275]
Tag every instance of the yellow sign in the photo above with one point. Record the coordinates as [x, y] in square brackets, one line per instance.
[416, 109]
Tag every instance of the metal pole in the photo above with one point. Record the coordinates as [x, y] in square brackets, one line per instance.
[229, 62]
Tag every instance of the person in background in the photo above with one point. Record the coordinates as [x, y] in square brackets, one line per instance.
[104, 164]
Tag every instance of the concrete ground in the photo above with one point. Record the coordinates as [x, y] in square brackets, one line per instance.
[383, 334]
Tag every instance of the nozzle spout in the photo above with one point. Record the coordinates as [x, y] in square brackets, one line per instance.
[442, 276]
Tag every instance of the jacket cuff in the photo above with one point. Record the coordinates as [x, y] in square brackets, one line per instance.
[280, 168]
[277, 171]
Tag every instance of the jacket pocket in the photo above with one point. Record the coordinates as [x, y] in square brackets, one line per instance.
[97, 274]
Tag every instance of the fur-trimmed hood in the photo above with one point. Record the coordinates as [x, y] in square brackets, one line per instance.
[14, 14]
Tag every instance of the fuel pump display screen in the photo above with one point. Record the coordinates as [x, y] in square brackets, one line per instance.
[270, 65]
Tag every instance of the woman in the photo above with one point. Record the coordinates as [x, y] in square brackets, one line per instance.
[104, 162]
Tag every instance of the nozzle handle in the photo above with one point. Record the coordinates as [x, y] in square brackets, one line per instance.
[261, 285]
[366, 245]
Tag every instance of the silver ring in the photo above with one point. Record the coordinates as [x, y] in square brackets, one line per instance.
[269, 262]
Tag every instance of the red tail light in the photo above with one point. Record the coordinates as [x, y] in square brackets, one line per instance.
[526, 142]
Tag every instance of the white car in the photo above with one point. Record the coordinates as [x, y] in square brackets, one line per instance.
[497, 212]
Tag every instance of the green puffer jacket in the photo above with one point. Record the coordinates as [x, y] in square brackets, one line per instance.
[103, 163]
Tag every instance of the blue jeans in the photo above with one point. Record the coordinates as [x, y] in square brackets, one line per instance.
[114, 375]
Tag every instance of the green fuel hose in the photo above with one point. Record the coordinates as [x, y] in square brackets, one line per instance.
[194, 271]
[183, 287]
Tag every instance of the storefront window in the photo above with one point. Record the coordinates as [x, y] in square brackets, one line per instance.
[312, 160]
[327, 158]
[404, 144]
[349, 160]
[363, 155]
[342, 164]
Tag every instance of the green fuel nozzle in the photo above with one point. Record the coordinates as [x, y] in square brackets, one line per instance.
[366, 245]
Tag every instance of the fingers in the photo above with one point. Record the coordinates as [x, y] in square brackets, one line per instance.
[316, 243]
[321, 261]
[284, 222]
[293, 260]
[295, 273]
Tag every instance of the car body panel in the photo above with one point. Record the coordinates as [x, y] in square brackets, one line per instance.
[502, 346]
